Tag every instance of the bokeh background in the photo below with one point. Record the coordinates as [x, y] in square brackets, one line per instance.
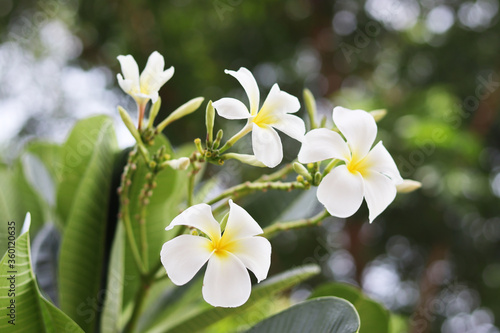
[432, 256]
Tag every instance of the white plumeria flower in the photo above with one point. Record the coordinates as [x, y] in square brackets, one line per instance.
[227, 281]
[275, 113]
[371, 174]
[146, 86]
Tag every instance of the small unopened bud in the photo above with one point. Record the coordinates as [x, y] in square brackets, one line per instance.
[310, 107]
[301, 170]
[218, 139]
[178, 164]
[152, 164]
[408, 185]
[378, 114]
[209, 121]
[300, 179]
[154, 112]
[245, 158]
[197, 143]
[130, 124]
[317, 178]
[180, 112]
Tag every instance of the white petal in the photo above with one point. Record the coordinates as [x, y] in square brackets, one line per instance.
[255, 253]
[200, 217]
[379, 159]
[130, 69]
[341, 192]
[231, 108]
[358, 127]
[126, 85]
[240, 224]
[291, 125]
[321, 144]
[227, 282]
[380, 191]
[153, 77]
[279, 102]
[247, 81]
[183, 256]
[266, 144]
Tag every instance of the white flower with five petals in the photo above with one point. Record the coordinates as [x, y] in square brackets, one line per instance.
[227, 281]
[274, 113]
[370, 174]
[144, 87]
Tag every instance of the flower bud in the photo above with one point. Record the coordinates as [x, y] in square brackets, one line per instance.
[245, 158]
[154, 112]
[180, 112]
[197, 143]
[310, 107]
[129, 123]
[378, 114]
[178, 164]
[301, 170]
[408, 185]
[218, 139]
[317, 178]
[209, 121]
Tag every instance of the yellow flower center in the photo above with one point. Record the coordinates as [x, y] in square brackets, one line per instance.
[221, 247]
[264, 117]
[355, 165]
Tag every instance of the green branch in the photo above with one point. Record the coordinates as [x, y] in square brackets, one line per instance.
[272, 230]
[124, 207]
[249, 187]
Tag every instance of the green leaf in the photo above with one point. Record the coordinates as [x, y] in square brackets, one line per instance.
[398, 324]
[50, 155]
[77, 154]
[32, 312]
[83, 241]
[320, 315]
[110, 321]
[184, 319]
[374, 317]
[17, 198]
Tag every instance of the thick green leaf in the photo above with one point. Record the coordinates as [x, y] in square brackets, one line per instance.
[110, 321]
[77, 154]
[374, 317]
[20, 296]
[50, 155]
[184, 319]
[320, 315]
[17, 198]
[83, 242]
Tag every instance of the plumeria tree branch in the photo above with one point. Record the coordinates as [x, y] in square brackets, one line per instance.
[248, 187]
[275, 228]
[123, 191]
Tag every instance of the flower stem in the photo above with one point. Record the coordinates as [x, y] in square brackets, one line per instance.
[124, 207]
[249, 187]
[140, 297]
[277, 174]
[141, 108]
[274, 229]
[229, 143]
[330, 166]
